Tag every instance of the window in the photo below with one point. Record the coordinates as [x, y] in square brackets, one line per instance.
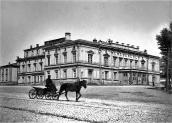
[65, 58]
[56, 71]
[35, 66]
[74, 57]
[120, 61]
[57, 58]
[29, 78]
[65, 74]
[40, 78]
[29, 70]
[106, 74]
[106, 61]
[126, 62]
[114, 75]
[114, 61]
[74, 73]
[153, 66]
[48, 58]
[48, 72]
[136, 63]
[125, 74]
[90, 56]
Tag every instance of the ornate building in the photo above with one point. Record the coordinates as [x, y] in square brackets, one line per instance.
[98, 62]
[8, 74]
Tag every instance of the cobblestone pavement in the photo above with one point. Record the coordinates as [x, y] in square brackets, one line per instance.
[15, 107]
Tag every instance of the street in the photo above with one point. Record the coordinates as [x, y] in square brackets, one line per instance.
[98, 104]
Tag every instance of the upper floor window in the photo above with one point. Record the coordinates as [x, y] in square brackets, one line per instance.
[57, 58]
[65, 58]
[153, 66]
[120, 61]
[136, 63]
[126, 61]
[90, 57]
[143, 62]
[48, 59]
[114, 61]
[74, 57]
[106, 60]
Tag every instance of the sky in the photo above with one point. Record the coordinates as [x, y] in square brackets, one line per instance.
[30, 22]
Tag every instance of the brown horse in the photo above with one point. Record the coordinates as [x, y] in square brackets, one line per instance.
[73, 87]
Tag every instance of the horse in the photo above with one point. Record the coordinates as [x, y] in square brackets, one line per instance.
[73, 87]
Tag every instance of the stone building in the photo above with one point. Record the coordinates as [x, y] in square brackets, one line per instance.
[8, 74]
[98, 62]
[31, 67]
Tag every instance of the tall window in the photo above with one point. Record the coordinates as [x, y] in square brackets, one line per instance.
[114, 75]
[90, 57]
[126, 62]
[106, 74]
[35, 66]
[74, 73]
[120, 61]
[6, 74]
[65, 58]
[40, 78]
[56, 71]
[65, 74]
[74, 57]
[106, 61]
[57, 58]
[136, 62]
[48, 58]
[153, 66]
[29, 78]
[114, 61]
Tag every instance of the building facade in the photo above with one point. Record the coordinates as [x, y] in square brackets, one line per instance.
[31, 67]
[98, 62]
[8, 74]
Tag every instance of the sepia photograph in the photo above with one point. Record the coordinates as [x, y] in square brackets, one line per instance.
[86, 61]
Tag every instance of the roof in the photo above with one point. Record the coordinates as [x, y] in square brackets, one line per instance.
[10, 65]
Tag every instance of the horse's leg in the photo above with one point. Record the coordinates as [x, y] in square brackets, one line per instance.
[66, 95]
[76, 96]
[79, 96]
[58, 95]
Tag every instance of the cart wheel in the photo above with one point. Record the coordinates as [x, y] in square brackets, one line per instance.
[40, 96]
[32, 93]
[48, 96]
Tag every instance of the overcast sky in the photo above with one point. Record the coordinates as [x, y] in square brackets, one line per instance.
[28, 22]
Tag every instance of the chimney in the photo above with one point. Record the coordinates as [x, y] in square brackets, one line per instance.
[95, 40]
[122, 44]
[30, 46]
[117, 42]
[137, 47]
[68, 36]
[128, 45]
[37, 45]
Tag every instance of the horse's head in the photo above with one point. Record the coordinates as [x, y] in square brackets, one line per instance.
[83, 83]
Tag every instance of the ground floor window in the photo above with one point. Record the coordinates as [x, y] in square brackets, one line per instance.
[114, 75]
[106, 74]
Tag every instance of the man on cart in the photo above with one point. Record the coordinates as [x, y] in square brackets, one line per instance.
[50, 86]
